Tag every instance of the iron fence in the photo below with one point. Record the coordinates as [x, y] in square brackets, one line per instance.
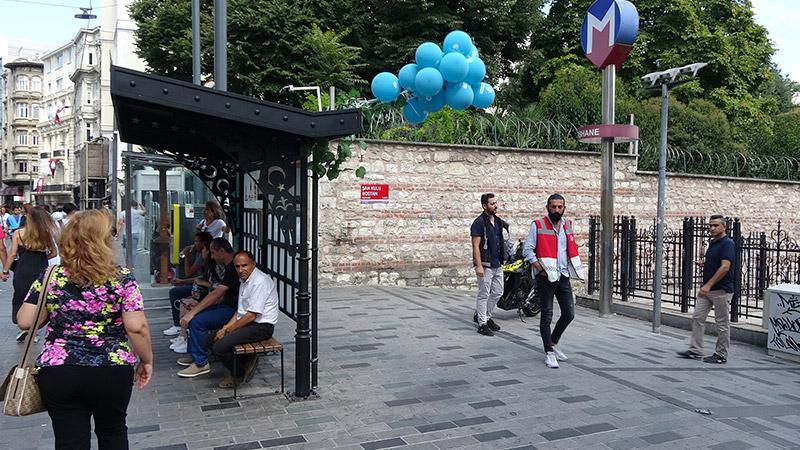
[762, 260]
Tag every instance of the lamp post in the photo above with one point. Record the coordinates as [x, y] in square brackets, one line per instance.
[292, 88]
[665, 81]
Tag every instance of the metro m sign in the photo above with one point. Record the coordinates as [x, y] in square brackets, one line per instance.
[608, 31]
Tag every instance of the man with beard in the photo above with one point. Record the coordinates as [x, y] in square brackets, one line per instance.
[716, 292]
[488, 253]
[553, 253]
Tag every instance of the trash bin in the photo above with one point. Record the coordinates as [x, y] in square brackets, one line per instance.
[782, 318]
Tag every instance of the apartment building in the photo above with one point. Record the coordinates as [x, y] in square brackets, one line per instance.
[22, 104]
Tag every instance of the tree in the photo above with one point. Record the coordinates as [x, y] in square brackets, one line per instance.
[271, 44]
[720, 32]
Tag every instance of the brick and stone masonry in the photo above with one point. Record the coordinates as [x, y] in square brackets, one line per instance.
[421, 236]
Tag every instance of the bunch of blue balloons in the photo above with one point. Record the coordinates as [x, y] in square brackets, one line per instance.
[453, 77]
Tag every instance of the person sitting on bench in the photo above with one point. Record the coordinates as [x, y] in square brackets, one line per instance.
[254, 321]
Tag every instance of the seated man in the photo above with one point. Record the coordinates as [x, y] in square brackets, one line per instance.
[194, 265]
[254, 320]
[214, 311]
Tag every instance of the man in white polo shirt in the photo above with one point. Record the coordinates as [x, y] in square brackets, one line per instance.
[254, 321]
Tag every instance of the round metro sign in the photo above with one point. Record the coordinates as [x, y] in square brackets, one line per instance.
[608, 32]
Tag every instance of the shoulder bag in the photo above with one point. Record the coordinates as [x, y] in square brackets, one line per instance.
[20, 391]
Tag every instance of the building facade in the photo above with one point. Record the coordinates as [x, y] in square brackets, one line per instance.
[22, 104]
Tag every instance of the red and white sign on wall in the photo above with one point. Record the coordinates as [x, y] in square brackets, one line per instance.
[374, 193]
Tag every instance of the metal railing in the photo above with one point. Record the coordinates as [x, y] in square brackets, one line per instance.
[762, 260]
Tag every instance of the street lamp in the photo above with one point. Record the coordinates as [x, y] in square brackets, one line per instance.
[666, 80]
[292, 88]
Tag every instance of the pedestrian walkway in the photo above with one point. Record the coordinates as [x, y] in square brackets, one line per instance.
[404, 367]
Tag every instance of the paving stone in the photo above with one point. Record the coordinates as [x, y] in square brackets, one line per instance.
[487, 404]
[660, 438]
[472, 421]
[504, 383]
[731, 445]
[282, 441]
[386, 443]
[243, 446]
[436, 427]
[576, 399]
[562, 433]
[493, 435]
[403, 402]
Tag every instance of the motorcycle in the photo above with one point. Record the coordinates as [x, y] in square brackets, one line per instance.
[519, 285]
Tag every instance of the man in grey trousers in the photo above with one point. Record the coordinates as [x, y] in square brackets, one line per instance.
[488, 255]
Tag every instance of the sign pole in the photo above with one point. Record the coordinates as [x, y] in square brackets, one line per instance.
[607, 194]
[662, 181]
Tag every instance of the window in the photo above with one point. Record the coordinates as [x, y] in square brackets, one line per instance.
[69, 56]
[35, 110]
[91, 58]
[36, 84]
[22, 138]
[59, 84]
[35, 169]
[60, 61]
[88, 131]
[22, 110]
[22, 83]
[49, 88]
[23, 167]
[89, 93]
[34, 139]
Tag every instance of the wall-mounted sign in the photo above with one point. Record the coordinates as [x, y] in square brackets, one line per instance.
[595, 134]
[374, 193]
[608, 31]
[189, 211]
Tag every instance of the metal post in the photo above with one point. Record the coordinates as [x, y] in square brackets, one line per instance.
[662, 181]
[315, 277]
[221, 45]
[163, 226]
[592, 254]
[303, 331]
[607, 196]
[196, 42]
[737, 272]
[129, 251]
[332, 98]
[114, 163]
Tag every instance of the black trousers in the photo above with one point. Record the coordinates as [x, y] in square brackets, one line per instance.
[223, 348]
[562, 291]
[75, 394]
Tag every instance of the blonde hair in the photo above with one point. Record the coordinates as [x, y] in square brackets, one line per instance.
[85, 245]
[38, 231]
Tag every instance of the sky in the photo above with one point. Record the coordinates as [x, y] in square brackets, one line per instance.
[52, 21]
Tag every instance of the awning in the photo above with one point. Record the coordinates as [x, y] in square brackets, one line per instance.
[12, 190]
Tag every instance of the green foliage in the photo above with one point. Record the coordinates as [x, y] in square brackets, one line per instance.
[327, 163]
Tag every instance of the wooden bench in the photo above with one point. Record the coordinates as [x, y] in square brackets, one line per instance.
[267, 347]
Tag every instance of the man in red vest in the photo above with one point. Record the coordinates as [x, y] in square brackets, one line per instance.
[553, 253]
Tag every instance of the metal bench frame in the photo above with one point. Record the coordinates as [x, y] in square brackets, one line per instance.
[270, 346]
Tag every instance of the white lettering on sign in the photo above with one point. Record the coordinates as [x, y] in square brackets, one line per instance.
[591, 132]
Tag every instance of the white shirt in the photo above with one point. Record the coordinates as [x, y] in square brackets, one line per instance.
[138, 220]
[216, 228]
[257, 294]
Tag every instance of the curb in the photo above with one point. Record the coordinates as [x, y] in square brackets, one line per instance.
[746, 333]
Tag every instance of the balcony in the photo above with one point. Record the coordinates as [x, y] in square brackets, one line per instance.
[59, 153]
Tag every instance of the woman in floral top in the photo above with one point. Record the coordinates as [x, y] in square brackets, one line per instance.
[96, 329]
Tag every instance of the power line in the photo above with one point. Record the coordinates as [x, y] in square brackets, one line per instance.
[58, 5]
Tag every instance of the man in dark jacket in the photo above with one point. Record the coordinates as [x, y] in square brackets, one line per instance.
[488, 253]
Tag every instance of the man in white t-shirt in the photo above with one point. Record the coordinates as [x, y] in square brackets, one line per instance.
[254, 321]
[137, 224]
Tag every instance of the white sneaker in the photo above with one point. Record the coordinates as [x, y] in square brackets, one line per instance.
[559, 354]
[180, 340]
[172, 331]
[551, 361]
[181, 347]
[177, 338]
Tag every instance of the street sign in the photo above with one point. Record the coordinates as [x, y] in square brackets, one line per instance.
[374, 193]
[596, 134]
[608, 31]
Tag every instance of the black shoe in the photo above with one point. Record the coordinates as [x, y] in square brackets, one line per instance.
[492, 325]
[690, 354]
[475, 318]
[485, 330]
[715, 359]
[22, 335]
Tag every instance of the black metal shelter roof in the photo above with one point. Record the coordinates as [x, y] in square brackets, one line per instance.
[168, 114]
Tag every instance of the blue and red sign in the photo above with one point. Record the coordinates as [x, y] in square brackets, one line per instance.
[608, 31]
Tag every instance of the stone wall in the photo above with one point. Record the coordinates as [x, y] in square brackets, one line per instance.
[421, 236]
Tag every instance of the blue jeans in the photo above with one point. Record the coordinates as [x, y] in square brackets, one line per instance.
[209, 319]
[175, 294]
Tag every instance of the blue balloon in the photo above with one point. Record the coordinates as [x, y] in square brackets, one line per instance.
[459, 96]
[428, 55]
[428, 82]
[476, 70]
[483, 95]
[458, 41]
[453, 67]
[385, 87]
[407, 76]
[432, 104]
[474, 53]
[413, 112]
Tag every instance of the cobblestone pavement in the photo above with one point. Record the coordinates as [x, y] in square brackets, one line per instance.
[405, 367]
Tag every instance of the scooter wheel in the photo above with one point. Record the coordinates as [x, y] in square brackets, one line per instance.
[531, 310]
